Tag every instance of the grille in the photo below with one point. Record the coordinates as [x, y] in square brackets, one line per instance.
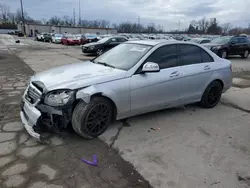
[32, 94]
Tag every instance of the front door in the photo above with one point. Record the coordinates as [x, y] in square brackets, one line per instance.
[234, 46]
[157, 90]
[197, 68]
[111, 43]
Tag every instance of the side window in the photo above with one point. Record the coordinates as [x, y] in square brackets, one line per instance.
[190, 54]
[205, 57]
[235, 40]
[113, 40]
[243, 40]
[165, 56]
[205, 41]
[122, 40]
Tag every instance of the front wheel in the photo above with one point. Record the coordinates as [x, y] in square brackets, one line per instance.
[211, 95]
[99, 52]
[92, 119]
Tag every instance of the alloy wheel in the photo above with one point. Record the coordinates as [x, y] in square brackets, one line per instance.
[99, 52]
[97, 119]
[214, 96]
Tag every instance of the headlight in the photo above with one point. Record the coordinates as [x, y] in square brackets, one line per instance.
[92, 47]
[59, 98]
[215, 47]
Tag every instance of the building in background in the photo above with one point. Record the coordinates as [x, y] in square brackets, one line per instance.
[31, 29]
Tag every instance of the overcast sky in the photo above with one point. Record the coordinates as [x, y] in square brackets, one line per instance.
[168, 13]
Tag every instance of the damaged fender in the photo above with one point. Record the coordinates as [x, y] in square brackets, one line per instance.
[86, 93]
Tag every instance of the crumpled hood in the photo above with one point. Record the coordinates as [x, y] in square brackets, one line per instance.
[78, 75]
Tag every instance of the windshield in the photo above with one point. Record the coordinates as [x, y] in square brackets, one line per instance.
[124, 56]
[104, 39]
[221, 40]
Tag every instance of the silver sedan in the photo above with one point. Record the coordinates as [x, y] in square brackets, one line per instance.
[133, 78]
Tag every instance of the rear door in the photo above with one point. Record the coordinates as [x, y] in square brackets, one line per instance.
[197, 69]
[235, 46]
[244, 45]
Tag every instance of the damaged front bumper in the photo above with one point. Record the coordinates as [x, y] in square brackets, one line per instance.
[39, 120]
[29, 116]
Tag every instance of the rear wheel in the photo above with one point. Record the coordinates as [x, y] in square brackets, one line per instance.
[211, 95]
[245, 55]
[92, 119]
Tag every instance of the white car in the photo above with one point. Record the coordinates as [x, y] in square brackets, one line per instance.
[56, 38]
[132, 78]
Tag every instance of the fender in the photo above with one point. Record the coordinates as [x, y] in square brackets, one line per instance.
[117, 92]
[86, 93]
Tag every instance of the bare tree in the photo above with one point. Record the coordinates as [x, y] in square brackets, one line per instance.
[55, 20]
[203, 25]
[226, 27]
[4, 13]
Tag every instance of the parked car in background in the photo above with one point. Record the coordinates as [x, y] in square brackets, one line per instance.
[133, 78]
[200, 40]
[186, 38]
[87, 38]
[40, 37]
[69, 40]
[56, 38]
[103, 45]
[47, 37]
[230, 45]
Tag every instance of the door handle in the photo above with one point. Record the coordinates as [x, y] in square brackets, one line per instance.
[207, 67]
[174, 74]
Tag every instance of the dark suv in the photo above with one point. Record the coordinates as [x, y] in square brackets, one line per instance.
[230, 45]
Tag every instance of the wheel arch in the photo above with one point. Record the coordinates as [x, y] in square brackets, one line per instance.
[86, 94]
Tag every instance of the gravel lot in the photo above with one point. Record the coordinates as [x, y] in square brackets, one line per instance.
[182, 147]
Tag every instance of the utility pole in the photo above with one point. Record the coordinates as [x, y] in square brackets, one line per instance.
[23, 20]
[138, 24]
[74, 16]
[179, 26]
[80, 19]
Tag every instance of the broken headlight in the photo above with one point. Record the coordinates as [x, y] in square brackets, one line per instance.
[59, 97]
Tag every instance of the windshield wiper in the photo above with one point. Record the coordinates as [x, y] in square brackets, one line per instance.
[105, 64]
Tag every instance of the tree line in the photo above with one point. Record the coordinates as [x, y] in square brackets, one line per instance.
[9, 20]
[205, 26]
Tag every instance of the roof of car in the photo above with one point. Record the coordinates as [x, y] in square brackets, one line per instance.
[152, 42]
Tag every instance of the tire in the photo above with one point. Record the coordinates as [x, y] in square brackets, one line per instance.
[223, 54]
[214, 89]
[99, 52]
[245, 55]
[81, 117]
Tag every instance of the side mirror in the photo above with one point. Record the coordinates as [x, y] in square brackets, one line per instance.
[150, 67]
[233, 42]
